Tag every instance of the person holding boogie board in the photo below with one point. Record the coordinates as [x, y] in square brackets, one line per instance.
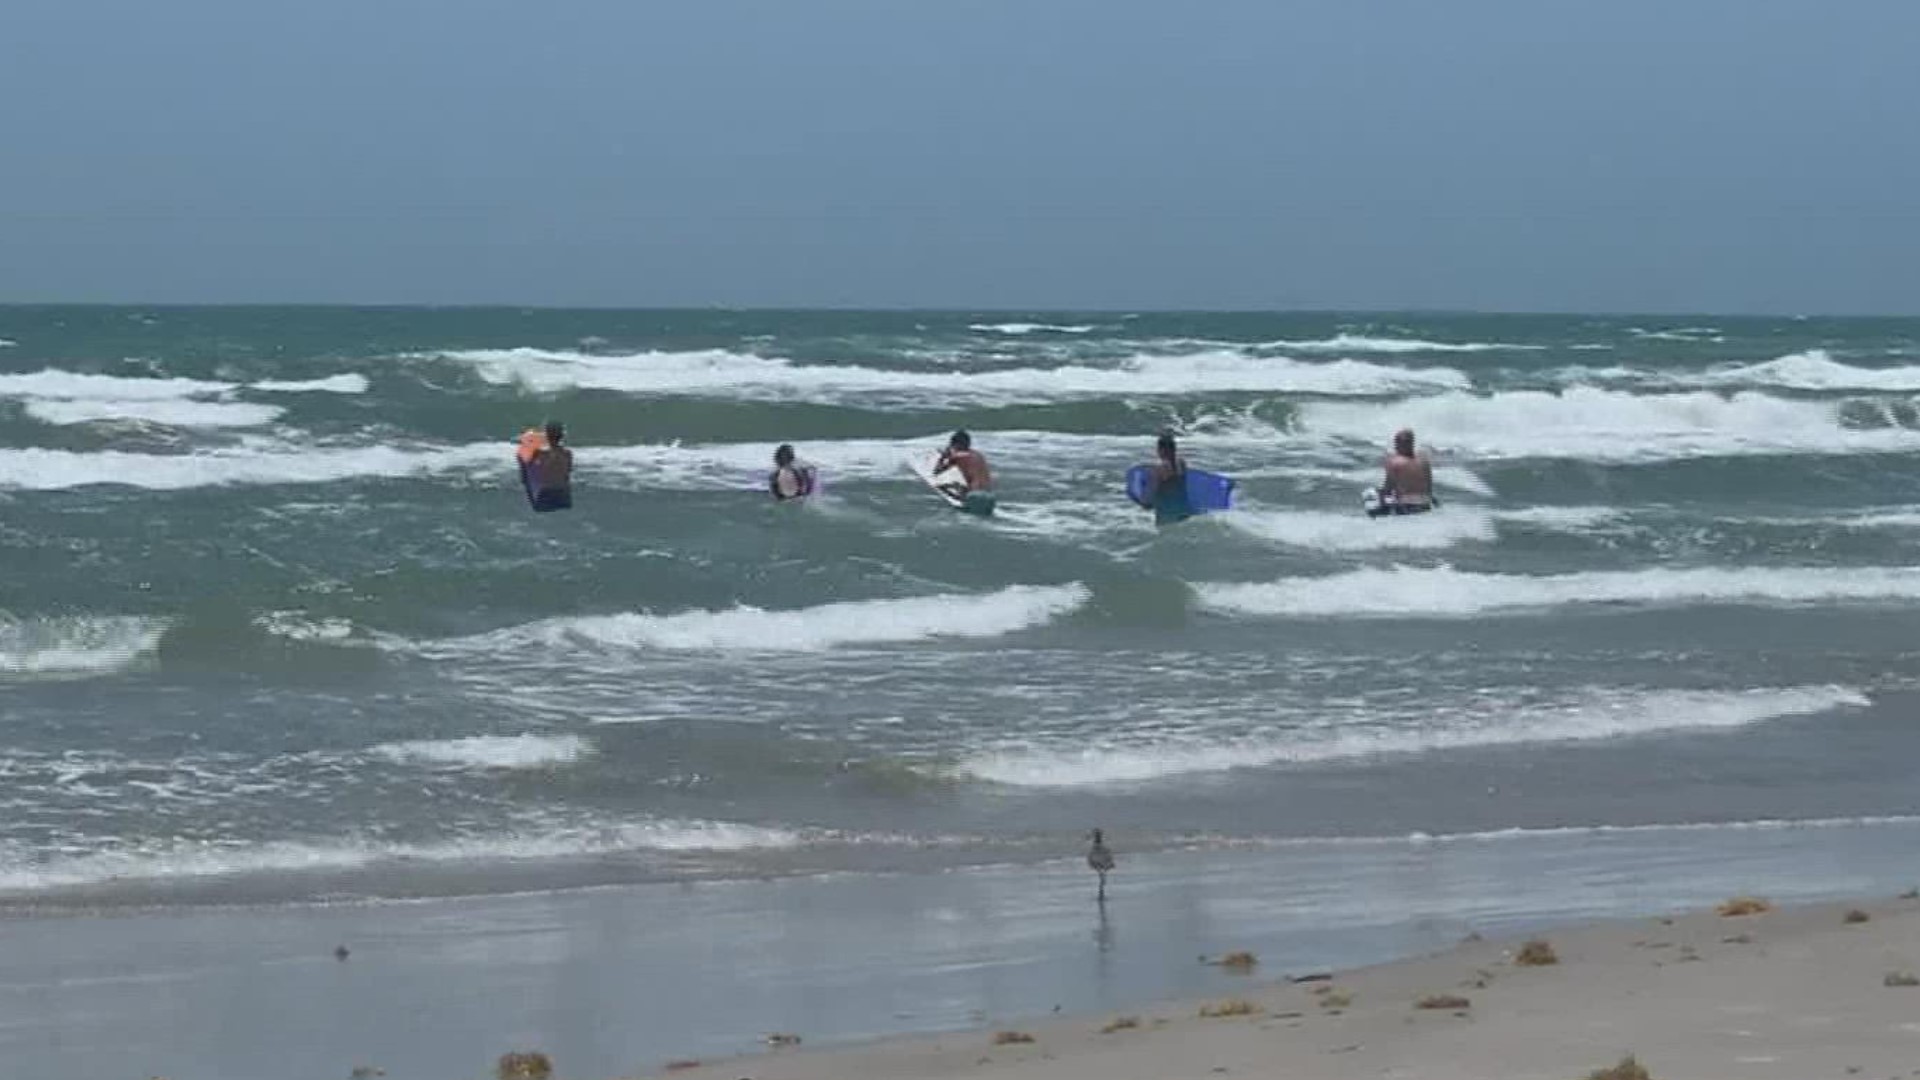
[977, 495]
[546, 468]
[1167, 492]
[1173, 491]
[790, 479]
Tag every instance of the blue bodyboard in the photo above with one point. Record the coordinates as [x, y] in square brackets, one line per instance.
[1206, 492]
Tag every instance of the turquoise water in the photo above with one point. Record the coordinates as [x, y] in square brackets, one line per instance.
[279, 625]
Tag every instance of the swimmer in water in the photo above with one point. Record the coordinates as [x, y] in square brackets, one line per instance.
[977, 497]
[791, 478]
[1408, 485]
[546, 468]
[1167, 496]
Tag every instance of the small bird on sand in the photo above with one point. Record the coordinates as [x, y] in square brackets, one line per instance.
[1101, 860]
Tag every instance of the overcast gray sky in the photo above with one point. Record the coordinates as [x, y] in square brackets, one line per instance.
[1721, 155]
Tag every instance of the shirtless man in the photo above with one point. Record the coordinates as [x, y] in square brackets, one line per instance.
[1408, 488]
[960, 454]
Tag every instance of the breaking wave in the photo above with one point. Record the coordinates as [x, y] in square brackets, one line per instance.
[1594, 424]
[1592, 716]
[1360, 343]
[163, 861]
[811, 629]
[61, 398]
[1443, 592]
[1021, 329]
[718, 372]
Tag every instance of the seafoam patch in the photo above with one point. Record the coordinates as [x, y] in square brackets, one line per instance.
[1443, 592]
[77, 646]
[64, 398]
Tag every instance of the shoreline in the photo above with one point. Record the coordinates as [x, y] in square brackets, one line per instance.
[1792, 993]
[617, 982]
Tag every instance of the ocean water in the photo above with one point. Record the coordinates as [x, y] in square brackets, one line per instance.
[278, 625]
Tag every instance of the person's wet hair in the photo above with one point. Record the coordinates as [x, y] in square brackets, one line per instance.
[1165, 445]
[784, 455]
[961, 441]
[555, 432]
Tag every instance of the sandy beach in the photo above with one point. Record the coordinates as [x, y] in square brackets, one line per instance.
[912, 975]
[1797, 994]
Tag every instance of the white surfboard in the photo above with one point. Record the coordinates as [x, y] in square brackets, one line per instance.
[949, 484]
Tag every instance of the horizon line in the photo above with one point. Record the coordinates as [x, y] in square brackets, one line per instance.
[906, 309]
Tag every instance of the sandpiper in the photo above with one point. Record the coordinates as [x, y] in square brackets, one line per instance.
[1101, 860]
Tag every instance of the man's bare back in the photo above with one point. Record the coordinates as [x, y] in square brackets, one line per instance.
[1409, 474]
[972, 464]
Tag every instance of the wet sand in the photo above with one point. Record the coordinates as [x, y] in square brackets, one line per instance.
[1788, 995]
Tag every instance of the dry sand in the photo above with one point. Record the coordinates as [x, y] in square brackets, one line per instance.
[1787, 995]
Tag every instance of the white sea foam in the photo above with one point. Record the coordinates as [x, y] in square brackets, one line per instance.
[1446, 477]
[489, 751]
[8, 343]
[60, 397]
[75, 386]
[1077, 520]
[1563, 518]
[1361, 343]
[172, 412]
[1561, 831]
[1812, 371]
[77, 645]
[1020, 329]
[1447, 593]
[350, 383]
[297, 626]
[1816, 370]
[1691, 334]
[811, 629]
[718, 372]
[1595, 424]
[1891, 518]
[1327, 531]
[1593, 715]
[187, 860]
[36, 469]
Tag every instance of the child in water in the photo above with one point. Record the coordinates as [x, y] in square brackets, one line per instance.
[791, 478]
[1167, 490]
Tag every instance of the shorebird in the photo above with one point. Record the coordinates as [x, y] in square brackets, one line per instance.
[1101, 860]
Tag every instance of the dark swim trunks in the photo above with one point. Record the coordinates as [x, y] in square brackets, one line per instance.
[552, 499]
[1385, 505]
[978, 503]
